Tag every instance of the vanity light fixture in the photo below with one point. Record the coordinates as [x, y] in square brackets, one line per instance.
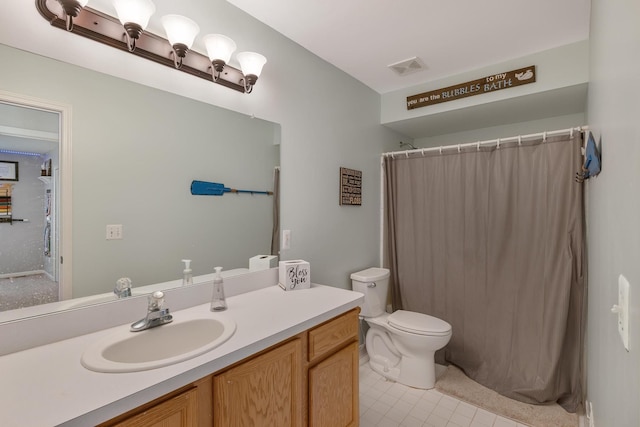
[71, 9]
[134, 16]
[251, 64]
[181, 32]
[219, 48]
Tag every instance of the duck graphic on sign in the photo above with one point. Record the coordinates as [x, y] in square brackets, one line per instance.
[525, 75]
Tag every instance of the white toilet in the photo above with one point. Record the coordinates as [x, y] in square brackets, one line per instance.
[401, 345]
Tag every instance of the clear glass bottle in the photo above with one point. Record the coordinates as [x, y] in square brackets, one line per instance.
[218, 302]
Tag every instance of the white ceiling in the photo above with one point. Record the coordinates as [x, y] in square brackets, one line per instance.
[28, 129]
[363, 37]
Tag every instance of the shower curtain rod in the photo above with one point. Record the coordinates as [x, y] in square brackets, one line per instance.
[497, 141]
[459, 147]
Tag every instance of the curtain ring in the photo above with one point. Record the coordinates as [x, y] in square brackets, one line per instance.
[519, 139]
[571, 133]
[498, 144]
[459, 148]
[422, 151]
[478, 145]
[544, 137]
[441, 149]
[406, 153]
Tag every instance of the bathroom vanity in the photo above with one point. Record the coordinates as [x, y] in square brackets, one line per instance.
[293, 360]
[309, 379]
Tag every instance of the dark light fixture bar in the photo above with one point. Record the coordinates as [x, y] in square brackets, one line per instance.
[108, 30]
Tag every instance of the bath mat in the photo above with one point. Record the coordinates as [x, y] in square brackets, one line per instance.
[455, 383]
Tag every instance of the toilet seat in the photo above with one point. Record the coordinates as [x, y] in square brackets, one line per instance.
[418, 323]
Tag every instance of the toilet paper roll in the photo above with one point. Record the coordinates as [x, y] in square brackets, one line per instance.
[263, 262]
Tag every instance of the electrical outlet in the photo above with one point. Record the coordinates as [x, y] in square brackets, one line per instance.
[114, 231]
[286, 239]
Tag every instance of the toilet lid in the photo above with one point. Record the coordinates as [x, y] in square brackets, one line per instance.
[418, 323]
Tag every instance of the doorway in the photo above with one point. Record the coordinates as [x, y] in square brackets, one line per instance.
[34, 202]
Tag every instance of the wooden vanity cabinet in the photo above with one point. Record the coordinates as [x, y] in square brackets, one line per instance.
[333, 372]
[172, 410]
[265, 390]
[310, 379]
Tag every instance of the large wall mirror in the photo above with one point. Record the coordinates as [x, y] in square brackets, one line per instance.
[134, 154]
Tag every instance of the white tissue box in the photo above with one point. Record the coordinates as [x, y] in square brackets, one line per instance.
[295, 274]
[262, 262]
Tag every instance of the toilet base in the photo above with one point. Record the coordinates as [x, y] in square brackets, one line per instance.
[412, 372]
[418, 372]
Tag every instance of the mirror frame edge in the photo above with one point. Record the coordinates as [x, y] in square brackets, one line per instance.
[66, 193]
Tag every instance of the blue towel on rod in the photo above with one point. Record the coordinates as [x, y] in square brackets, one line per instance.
[591, 165]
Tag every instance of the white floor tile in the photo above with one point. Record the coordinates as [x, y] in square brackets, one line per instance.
[411, 421]
[484, 418]
[448, 402]
[443, 412]
[421, 412]
[466, 410]
[397, 414]
[385, 403]
[370, 418]
[460, 420]
[436, 421]
[386, 422]
[504, 422]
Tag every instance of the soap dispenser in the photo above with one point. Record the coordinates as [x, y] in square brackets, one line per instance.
[187, 275]
[218, 302]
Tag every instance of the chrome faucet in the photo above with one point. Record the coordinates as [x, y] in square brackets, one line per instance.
[156, 315]
[123, 287]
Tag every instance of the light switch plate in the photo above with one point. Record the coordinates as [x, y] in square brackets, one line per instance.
[623, 314]
[114, 231]
[286, 239]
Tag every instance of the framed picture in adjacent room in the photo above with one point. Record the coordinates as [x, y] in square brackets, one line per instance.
[8, 171]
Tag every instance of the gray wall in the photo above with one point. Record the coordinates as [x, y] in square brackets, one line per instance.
[613, 205]
[513, 129]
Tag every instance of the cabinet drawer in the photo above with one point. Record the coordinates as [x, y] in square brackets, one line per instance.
[333, 334]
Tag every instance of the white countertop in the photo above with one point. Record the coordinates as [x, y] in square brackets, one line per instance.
[47, 385]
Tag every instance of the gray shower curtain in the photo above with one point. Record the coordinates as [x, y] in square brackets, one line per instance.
[492, 241]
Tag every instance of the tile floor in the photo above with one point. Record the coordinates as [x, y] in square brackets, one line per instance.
[388, 404]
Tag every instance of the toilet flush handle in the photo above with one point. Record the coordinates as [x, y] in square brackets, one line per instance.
[371, 285]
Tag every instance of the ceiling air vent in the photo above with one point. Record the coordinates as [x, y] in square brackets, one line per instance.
[408, 66]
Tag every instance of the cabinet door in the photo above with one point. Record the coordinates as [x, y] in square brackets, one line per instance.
[266, 390]
[179, 411]
[333, 390]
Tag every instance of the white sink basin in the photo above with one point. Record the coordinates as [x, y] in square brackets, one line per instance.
[126, 351]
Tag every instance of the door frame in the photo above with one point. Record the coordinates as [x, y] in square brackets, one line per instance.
[64, 193]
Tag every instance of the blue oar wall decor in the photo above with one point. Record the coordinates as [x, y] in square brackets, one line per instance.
[204, 188]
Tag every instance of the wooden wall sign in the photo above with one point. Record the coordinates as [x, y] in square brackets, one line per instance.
[487, 84]
[350, 187]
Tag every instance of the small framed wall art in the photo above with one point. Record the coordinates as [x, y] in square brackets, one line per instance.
[8, 171]
[350, 187]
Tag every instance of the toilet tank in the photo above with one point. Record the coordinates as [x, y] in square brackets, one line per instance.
[374, 284]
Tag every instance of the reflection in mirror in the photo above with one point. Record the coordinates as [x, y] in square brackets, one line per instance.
[28, 219]
[136, 151]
